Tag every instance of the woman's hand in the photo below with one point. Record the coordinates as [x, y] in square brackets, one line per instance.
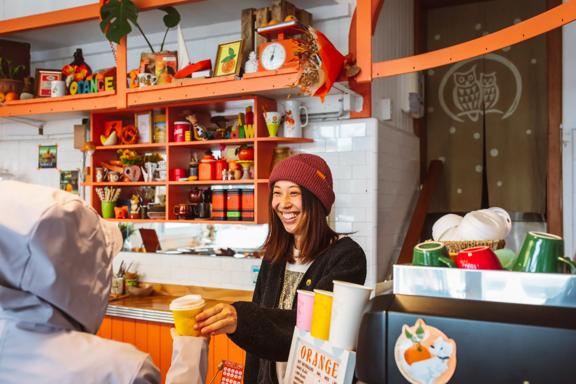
[221, 318]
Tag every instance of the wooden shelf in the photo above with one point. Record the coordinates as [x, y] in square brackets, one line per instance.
[238, 141]
[211, 142]
[128, 184]
[194, 221]
[225, 86]
[131, 146]
[212, 182]
[77, 103]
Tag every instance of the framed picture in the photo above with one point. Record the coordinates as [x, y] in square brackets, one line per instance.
[69, 181]
[47, 155]
[44, 78]
[228, 59]
[143, 121]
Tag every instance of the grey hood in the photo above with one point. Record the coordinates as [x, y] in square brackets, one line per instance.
[55, 258]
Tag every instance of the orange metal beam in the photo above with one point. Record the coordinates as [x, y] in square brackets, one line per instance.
[527, 29]
[121, 69]
[73, 15]
[363, 37]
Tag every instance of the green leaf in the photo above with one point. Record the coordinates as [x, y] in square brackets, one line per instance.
[231, 52]
[172, 17]
[420, 332]
[116, 18]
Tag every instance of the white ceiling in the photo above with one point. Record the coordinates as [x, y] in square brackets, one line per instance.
[193, 15]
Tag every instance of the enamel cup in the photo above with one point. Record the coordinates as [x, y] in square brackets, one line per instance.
[431, 254]
[542, 252]
[292, 123]
[478, 258]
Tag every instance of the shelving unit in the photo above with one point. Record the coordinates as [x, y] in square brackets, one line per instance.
[178, 154]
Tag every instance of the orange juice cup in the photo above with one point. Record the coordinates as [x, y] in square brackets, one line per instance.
[321, 314]
[184, 309]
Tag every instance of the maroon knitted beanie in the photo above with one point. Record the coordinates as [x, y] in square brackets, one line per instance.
[308, 171]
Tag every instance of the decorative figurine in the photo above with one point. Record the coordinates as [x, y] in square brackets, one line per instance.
[200, 131]
[135, 207]
[251, 64]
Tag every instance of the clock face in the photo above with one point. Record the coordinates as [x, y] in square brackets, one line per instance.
[273, 56]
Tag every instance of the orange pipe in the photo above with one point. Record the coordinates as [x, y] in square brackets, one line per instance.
[527, 29]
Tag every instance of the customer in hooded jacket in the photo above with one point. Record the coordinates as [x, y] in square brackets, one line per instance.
[55, 274]
[301, 252]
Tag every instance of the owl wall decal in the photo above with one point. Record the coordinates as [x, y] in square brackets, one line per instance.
[490, 90]
[474, 95]
[467, 93]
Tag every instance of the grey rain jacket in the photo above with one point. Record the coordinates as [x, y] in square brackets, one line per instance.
[55, 273]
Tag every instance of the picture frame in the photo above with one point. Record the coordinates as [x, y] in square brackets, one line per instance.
[69, 181]
[228, 59]
[44, 78]
[47, 156]
[143, 122]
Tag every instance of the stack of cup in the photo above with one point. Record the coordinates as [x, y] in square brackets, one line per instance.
[349, 302]
[184, 309]
[305, 306]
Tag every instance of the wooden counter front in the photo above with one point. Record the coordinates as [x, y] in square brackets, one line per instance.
[154, 338]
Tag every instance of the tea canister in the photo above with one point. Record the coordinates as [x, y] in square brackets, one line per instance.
[219, 202]
[180, 129]
[234, 203]
[247, 203]
[207, 168]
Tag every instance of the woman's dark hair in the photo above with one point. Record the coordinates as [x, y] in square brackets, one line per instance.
[317, 237]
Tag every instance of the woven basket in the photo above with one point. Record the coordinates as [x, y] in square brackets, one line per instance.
[457, 246]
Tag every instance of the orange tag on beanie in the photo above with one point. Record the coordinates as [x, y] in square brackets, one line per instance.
[321, 175]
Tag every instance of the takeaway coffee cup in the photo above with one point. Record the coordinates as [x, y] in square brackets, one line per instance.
[348, 304]
[184, 309]
[304, 309]
[431, 254]
[542, 252]
[321, 314]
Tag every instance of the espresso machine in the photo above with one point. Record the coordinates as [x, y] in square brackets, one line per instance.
[444, 325]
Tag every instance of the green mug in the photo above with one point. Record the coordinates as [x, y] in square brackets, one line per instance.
[542, 252]
[432, 254]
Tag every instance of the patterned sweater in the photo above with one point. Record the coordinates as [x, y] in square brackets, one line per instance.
[265, 331]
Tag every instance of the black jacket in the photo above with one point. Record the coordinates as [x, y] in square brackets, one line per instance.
[264, 331]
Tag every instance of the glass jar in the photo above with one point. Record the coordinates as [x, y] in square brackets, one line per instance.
[280, 153]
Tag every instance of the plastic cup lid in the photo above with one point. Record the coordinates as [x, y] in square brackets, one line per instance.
[187, 302]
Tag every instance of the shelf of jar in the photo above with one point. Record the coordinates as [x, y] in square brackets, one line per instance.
[128, 183]
[131, 146]
[212, 182]
[48, 105]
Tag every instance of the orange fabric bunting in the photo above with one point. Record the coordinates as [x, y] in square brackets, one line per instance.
[332, 62]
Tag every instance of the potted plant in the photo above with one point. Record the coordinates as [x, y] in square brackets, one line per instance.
[11, 79]
[118, 17]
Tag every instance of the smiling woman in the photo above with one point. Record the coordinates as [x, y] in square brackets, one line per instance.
[301, 252]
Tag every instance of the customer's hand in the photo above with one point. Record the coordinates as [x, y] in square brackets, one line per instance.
[221, 318]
